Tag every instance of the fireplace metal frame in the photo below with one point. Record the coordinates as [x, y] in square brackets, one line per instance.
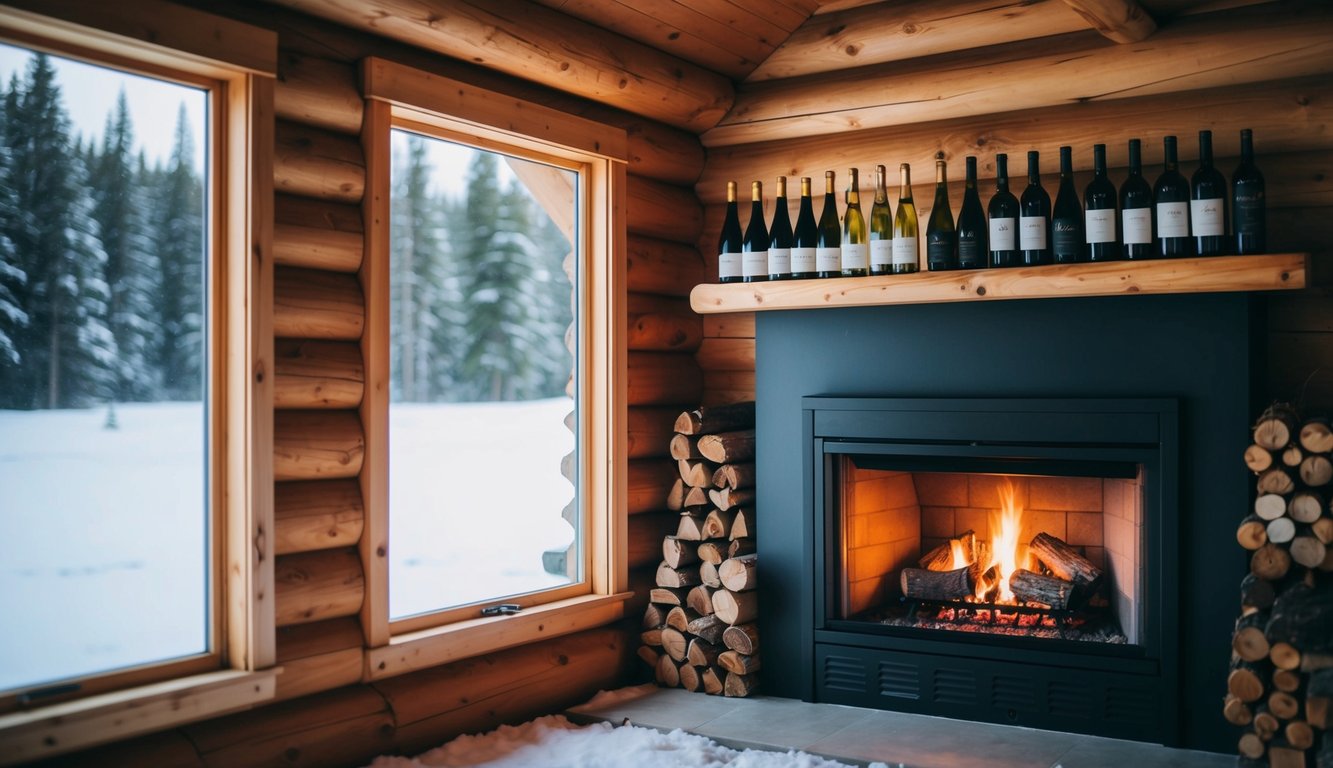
[1131, 691]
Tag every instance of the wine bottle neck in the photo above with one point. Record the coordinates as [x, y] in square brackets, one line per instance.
[1205, 148]
[1099, 160]
[905, 182]
[1246, 146]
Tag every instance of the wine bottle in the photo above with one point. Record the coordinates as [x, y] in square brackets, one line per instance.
[940, 232]
[855, 239]
[1034, 223]
[1099, 211]
[905, 255]
[1003, 213]
[828, 255]
[779, 236]
[1066, 215]
[972, 253]
[1208, 202]
[754, 248]
[881, 228]
[1172, 194]
[805, 238]
[1247, 201]
[1136, 208]
[729, 243]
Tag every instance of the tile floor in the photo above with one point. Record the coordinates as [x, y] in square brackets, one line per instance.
[856, 735]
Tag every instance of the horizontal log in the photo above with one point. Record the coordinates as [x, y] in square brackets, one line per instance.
[1286, 117]
[663, 267]
[314, 163]
[663, 378]
[1225, 48]
[875, 34]
[317, 92]
[315, 445]
[735, 607]
[663, 153]
[648, 482]
[739, 574]
[677, 577]
[300, 641]
[734, 476]
[649, 431]
[738, 663]
[552, 48]
[1123, 21]
[317, 248]
[317, 374]
[645, 537]
[313, 586]
[722, 387]
[726, 355]
[317, 214]
[319, 656]
[310, 304]
[676, 331]
[742, 638]
[663, 211]
[313, 515]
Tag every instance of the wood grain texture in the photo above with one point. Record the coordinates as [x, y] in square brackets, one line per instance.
[317, 374]
[648, 481]
[314, 586]
[662, 266]
[315, 445]
[316, 248]
[528, 41]
[649, 431]
[726, 355]
[663, 378]
[313, 515]
[1123, 21]
[315, 163]
[1228, 48]
[664, 211]
[314, 304]
[318, 92]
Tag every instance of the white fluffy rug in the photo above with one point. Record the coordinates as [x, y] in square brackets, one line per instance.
[554, 742]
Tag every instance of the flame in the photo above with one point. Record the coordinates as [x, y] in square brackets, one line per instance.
[1005, 524]
[960, 556]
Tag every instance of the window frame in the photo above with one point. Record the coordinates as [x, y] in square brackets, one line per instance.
[237, 63]
[398, 96]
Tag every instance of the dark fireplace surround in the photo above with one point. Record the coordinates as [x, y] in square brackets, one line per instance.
[1048, 387]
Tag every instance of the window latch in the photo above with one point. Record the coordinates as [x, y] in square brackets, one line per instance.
[503, 609]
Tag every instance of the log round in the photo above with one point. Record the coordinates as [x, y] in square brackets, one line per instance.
[734, 476]
[1270, 562]
[738, 663]
[679, 618]
[1258, 458]
[322, 514]
[314, 445]
[1284, 655]
[1063, 561]
[1281, 530]
[1251, 746]
[718, 524]
[1276, 480]
[728, 498]
[1276, 426]
[672, 577]
[1252, 533]
[708, 575]
[689, 678]
[1270, 506]
[702, 653]
[1283, 705]
[1256, 593]
[317, 374]
[713, 552]
[678, 553]
[1316, 436]
[1316, 470]
[1286, 680]
[1249, 641]
[739, 574]
[1292, 456]
[727, 447]
[712, 679]
[1248, 680]
[1308, 551]
[700, 600]
[1305, 506]
[742, 638]
[312, 304]
[674, 643]
[314, 586]
[735, 607]
[740, 686]
[1236, 711]
[668, 672]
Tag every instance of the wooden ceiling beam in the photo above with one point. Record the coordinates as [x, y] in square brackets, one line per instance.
[1229, 48]
[1123, 21]
[535, 43]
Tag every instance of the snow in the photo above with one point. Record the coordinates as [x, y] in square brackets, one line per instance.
[554, 742]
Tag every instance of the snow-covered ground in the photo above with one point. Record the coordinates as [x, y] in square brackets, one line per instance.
[100, 561]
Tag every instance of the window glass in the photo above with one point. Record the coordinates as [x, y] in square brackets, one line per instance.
[481, 418]
[104, 563]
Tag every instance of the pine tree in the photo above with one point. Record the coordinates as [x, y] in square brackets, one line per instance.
[13, 280]
[178, 233]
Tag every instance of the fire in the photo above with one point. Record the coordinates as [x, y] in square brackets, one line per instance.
[1005, 524]
[961, 557]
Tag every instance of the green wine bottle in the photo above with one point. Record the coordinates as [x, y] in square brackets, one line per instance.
[855, 242]
[906, 258]
[940, 233]
[828, 254]
[881, 228]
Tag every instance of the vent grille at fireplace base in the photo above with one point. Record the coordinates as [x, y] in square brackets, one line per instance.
[1032, 695]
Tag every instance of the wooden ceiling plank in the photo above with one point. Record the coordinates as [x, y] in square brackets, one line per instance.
[1212, 50]
[772, 24]
[1123, 21]
[536, 43]
[833, 6]
[709, 28]
[868, 35]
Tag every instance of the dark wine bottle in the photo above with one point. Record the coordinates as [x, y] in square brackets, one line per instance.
[940, 232]
[1136, 208]
[906, 257]
[1248, 206]
[1208, 203]
[972, 252]
[1066, 215]
[729, 243]
[828, 255]
[881, 228]
[754, 248]
[1172, 195]
[779, 236]
[1099, 211]
[1034, 223]
[855, 238]
[1003, 213]
[805, 238]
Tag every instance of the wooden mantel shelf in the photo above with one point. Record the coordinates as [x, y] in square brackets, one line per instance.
[1268, 272]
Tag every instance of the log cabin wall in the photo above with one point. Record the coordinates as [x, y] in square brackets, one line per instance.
[884, 83]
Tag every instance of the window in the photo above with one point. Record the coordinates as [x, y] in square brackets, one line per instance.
[134, 443]
[493, 314]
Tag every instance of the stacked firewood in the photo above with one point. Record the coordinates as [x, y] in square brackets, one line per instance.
[1281, 680]
[698, 631]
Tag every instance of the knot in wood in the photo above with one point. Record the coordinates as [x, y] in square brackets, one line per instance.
[910, 28]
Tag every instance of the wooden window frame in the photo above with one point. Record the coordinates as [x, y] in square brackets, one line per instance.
[237, 63]
[398, 96]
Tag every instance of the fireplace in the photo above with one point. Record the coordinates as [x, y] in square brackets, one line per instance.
[886, 432]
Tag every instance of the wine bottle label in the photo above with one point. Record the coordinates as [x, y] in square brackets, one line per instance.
[828, 259]
[1173, 220]
[1099, 225]
[855, 255]
[939, 251]
[728, 265]
[904, 250]
[802, 261]
[1248, 211]
[1002, 234]
[754, 264]
[779, 261]
[1066, 236]
[1206, 216]
[1032, 233]
[1137, 223]
[969, 253]
[881, 253]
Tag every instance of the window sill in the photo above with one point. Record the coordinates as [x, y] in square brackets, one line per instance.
[61, 728]
[464, 639]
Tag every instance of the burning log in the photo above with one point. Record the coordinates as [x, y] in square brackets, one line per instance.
[1063, 561]
[1029, 587]
[941, 558]
[922, 584]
